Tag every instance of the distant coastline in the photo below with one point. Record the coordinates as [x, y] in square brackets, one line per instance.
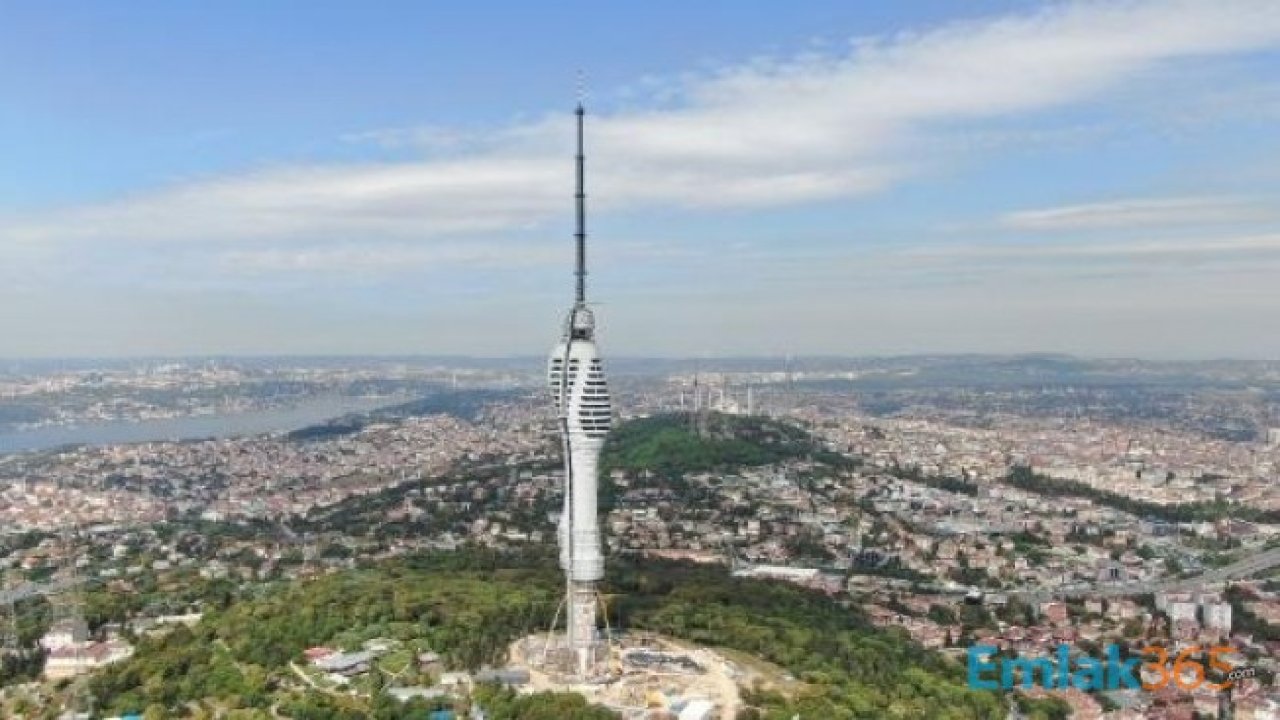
[254, 422]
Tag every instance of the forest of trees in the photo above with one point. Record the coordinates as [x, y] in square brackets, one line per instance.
[1245, 621]
[853, 669]
[470, 605]
[20, 667]
[503, 704]
[669, 446]
[941, 482]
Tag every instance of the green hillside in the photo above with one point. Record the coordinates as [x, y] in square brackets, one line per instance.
[668, 445]
[469, 605]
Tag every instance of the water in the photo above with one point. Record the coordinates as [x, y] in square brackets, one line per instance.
[255, 422]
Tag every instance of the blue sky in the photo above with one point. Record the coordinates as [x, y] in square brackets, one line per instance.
[835, 178]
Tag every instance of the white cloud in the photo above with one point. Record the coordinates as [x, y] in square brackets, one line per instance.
[1143, 212]
[767, 132]
[1186, 252]
[428, 138]
[383, 258]
[309, 204]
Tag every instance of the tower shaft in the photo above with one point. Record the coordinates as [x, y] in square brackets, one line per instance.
[577, 382]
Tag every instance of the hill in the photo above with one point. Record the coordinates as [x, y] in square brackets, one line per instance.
[464, 404]
[469, 605]
[668, 445]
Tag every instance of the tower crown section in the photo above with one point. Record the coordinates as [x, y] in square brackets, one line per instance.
[581, 324]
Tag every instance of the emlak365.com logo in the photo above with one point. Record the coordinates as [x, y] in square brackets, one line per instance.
[1152, 669]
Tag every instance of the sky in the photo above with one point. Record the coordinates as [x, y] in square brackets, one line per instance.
[809, 178]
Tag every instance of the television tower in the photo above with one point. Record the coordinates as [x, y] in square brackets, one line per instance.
[576, 377]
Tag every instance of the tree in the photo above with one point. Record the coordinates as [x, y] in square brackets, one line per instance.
[471, 604]
[942, 614]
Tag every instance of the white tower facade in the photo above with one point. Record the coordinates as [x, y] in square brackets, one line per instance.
[576, 378]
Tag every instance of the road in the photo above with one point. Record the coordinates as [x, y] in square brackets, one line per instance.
[1264, 560]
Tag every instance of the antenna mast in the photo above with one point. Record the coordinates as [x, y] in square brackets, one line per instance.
[580, 234]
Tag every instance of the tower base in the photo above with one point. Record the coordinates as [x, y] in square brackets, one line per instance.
[581, 637]
[649, 676]
[581, 653]
[570, 665]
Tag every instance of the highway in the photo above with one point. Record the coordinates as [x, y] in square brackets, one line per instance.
[1246, 567]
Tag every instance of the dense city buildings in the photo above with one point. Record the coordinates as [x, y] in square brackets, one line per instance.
[1015, 530]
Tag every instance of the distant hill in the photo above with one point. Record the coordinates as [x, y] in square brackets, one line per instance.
[464, 404]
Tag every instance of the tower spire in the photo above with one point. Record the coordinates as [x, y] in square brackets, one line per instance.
[580, 233]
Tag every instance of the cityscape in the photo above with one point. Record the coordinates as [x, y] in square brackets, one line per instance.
[921, 369]
[1021, 529]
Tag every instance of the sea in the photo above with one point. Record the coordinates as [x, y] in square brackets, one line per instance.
[252, 422]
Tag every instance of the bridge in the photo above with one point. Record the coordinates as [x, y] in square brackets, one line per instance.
[1244, 568]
